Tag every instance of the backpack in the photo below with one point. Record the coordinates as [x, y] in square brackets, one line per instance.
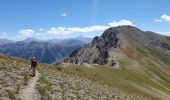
[34, 63]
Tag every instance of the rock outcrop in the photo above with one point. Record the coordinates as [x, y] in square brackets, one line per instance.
[117, 38]
[97, 51]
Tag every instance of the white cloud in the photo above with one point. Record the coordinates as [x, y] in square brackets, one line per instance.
[5, 35]
[64, 14]
[165, 18]
[158, 20]
[164, 33]
[59, 32]
[120, 23]
[70, 30]
[25, 33]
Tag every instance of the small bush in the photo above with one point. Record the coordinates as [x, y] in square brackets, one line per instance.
[11, 95]
[59, 68]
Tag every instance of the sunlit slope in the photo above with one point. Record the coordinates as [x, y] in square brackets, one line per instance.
[142, 62]
[14, 75]
[144, 73]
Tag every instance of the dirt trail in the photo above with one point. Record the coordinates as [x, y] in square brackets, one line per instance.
[29, 93]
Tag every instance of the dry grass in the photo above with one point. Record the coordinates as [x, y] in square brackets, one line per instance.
[13, 76]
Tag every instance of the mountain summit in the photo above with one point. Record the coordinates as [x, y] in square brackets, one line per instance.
[135, 61]
[118, 41]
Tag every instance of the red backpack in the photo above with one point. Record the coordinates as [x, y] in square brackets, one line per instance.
[33, 63]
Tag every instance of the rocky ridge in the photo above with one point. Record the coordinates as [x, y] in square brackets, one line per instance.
[120, 38]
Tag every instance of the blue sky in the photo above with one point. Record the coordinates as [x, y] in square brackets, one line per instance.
[44, 19]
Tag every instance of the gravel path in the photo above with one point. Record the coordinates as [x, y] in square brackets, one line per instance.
[28, 93]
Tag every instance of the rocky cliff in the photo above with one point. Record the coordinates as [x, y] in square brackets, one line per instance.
[117, 39]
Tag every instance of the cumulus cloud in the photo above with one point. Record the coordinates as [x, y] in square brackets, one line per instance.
[54, 32]
[25, 33]
[163, 18]
[120, 23]
[70, 30]
[64, 14]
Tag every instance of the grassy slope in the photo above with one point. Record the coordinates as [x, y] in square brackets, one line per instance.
[14, 75]
[145, 73]
[76, 82]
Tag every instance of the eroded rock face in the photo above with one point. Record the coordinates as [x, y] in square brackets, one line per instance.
[165, 46]
[118, 38]
[161, 45]
[97, 51]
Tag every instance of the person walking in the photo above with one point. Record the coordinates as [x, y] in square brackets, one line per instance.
[33, 66]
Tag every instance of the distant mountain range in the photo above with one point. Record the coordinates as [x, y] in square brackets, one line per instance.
[80, 40]
[5, 41]
[46, 51]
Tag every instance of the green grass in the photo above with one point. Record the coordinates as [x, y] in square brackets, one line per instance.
[12, 72]
[11, 95]
[43, 87]
[78, 96]
[143, 66]
[112, 77]
[168, 37]
[134, 69]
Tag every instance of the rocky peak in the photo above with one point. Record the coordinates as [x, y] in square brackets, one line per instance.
[97, 51]
[117, 39]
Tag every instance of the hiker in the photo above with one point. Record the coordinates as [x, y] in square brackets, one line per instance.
[33, 66]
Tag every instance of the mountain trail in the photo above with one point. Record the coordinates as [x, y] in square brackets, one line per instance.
[29, 93]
